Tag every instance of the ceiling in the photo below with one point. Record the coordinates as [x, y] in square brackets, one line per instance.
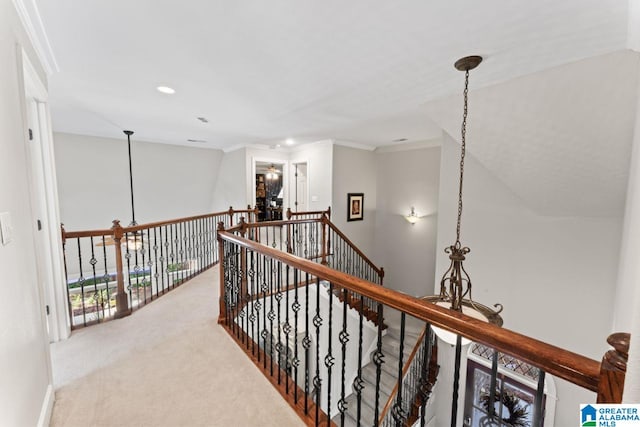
[261, 72]
[551, 109]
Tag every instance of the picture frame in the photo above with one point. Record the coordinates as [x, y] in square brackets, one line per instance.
[355, 206]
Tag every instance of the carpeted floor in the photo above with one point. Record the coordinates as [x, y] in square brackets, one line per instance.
[168, 364]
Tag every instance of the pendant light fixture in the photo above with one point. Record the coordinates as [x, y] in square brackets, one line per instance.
[272, 172]
[134, 239]
[455, 285]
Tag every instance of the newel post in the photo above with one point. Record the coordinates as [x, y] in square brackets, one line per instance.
[122, 302]
[613, 369]
[243, 262]
[289, 213]
[222, 315]
[230, 216]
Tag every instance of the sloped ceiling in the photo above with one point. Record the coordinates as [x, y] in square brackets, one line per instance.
[551, 108]
[560, 138]
[263, 71]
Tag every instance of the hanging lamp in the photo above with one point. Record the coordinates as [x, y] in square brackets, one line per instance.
[134, 239]
[455, 285]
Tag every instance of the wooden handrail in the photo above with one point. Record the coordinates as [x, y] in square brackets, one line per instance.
[109, 232]
[378, 270]
[570, 366]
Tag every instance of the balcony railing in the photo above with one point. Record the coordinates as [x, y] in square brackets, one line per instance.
[110, 272]
[293, 318]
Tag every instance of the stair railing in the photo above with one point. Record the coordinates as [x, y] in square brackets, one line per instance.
[312, 347]
[419, 376]
[111, 272]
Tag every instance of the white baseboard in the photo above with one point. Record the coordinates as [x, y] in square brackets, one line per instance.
[47, 407]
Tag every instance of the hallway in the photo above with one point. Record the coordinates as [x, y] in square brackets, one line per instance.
[168, 364]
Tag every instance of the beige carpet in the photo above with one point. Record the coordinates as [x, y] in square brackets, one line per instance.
[168, 364]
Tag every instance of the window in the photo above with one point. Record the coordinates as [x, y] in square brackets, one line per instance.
[514, 394]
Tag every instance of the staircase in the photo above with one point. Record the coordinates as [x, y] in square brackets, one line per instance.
[388, 374]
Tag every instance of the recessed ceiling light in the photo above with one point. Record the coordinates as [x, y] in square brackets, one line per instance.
[400, 140]
[196, 140]
[277, 145]
[166, 89]
[290, 141]
[203, 119]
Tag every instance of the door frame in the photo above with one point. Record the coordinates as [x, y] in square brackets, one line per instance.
[294, 178]
[44, 195]
[285, 179]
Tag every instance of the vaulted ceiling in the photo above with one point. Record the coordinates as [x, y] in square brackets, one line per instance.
[551, 102]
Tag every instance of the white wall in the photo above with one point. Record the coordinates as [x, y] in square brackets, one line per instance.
[354, 171]
[555, 275]
[25, 376]
[230, 187]
[319, 158]
[168, 181]
[407, 252]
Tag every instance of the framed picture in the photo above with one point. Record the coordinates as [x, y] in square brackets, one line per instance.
[355, 206]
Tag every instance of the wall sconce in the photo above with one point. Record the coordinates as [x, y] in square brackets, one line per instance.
[412, 217]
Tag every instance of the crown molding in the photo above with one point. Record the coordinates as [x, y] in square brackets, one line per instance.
[428, 143]
[32, 22]
[352, 144]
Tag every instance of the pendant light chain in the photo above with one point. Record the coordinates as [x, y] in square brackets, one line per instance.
[462, 154]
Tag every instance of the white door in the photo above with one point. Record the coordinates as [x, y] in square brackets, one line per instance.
[44, 204]
[299, 190]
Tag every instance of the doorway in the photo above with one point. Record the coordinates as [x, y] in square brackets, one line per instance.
[44, 202]
[269, 190]
[299, 187]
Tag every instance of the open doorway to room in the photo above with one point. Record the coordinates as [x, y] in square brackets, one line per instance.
[299, 187]
[270, 189]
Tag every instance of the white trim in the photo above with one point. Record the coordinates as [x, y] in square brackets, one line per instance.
[428, 143]
[47, 407]
[58, 320]
[32, 22]
[352, 144]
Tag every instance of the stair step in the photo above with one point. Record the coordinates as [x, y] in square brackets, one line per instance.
[391, 346]
[387, 381]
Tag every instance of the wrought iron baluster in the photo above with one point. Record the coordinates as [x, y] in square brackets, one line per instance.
[107, 276]
[306, 343]
[93, 261]
[127, 256]
[180, 244]
[329, 359]
[295, 308]
[155, 256]
[398, 412]
[359, 383]
[264, 288]
[456, 382]
[538, 408]
[272, 315]
[172, 256]
[344, 338]
[81, 281]
[287, 329]
[251, 300]
[378, 360]
[141, 268]
[163, 255]
[317, 382]
[425, 386]
[279, 299]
